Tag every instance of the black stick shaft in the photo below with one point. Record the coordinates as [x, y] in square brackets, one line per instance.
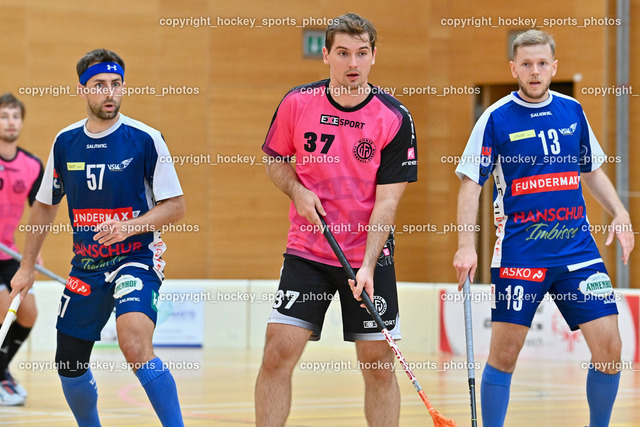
[472, 394]
[352, 275]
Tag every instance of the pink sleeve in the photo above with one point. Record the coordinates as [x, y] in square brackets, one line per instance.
[279, 140]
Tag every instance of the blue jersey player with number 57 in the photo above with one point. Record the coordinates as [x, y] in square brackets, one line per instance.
[121, 189]
[539, 147]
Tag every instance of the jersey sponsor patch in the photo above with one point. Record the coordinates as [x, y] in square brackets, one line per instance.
[327, 119]
[130, 299]
[8, 169]
[545, 183]
[125, 285]
[96, 250]
[75, 166]
[386, 255]
[598, 285]
[530, 274]
[565, 213]
[90, 146]
[541, 114]
[93, 217]
[371, 324]
[77, 286]
[517, 136]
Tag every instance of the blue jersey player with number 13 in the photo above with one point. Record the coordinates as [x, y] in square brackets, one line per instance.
[120, 191]
[540, 148]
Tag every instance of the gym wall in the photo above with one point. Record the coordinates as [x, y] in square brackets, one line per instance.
[223, 85]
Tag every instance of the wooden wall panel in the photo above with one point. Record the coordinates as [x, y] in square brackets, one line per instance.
[634, 131]
[241, 74]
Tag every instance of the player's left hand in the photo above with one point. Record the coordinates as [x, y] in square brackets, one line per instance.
[364, 279]
[621, 228]
[111, 232]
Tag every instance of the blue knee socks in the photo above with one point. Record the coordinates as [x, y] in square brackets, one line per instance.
[82, 396]
[494, 396]
[601, 394]
[162, 392]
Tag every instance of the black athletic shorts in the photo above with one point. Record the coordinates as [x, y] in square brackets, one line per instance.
[308, 287]
[8, 269]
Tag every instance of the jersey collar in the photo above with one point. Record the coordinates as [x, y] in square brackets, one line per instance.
[349, 109]
[106, 132]
[516, 98]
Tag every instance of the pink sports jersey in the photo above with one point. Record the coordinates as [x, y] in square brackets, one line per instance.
[19, 181]
[341, 154]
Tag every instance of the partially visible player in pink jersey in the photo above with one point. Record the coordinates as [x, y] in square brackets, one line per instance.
[20, 177]
[355, 151]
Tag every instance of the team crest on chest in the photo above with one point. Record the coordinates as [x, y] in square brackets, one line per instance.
[570, 130]
[117, 167]
[19, 186]
[364, 150]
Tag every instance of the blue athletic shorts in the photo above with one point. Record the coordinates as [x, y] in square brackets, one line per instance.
[89, 298]
[581, 295]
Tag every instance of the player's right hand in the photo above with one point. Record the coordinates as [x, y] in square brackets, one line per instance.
[622, 230]
[465, 262]
[308, 205]
[22, 281]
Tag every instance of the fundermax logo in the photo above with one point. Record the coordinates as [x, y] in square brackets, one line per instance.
[546, 182]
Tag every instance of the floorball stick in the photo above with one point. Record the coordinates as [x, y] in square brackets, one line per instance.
[13, 308]
[9, 318]
[438, 418]
[468, 331]
[15, 255]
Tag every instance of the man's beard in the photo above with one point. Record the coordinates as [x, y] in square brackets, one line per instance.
[10, 138]
[531, 96]
[97, 111]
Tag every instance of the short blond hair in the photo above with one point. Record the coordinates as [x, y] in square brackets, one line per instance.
[532, 38]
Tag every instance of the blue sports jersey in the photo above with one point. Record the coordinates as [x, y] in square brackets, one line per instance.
[120, 173]
[536, 152]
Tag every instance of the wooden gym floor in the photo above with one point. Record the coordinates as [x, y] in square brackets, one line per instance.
[216, 389]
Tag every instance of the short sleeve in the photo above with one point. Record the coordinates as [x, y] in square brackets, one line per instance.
[399, 158]
[591, 154]
[161, 174]
[36, 184]
[279, 140]
[51, 189]
[479, 157]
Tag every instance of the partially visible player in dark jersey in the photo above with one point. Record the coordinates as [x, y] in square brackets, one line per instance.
[121, 189]
[540, 148]
[355, 152]
[20, 176]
